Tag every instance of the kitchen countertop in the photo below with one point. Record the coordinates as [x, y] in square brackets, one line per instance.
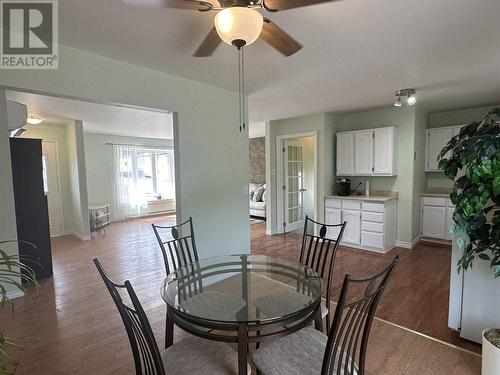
[437, 192]
[372, 198]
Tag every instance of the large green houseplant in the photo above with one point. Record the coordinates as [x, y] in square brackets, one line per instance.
[472, 160]
[12, 274]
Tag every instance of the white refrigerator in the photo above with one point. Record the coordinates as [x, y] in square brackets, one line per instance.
[474, 298]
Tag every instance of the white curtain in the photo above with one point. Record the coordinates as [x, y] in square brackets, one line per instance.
[129, 199]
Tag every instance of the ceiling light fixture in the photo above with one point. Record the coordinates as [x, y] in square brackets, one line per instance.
[33, 120]
[238, 26]
[405, 98]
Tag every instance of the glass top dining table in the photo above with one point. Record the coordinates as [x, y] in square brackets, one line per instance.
[246, 294]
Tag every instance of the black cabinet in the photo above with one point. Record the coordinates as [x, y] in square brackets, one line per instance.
[32, 215]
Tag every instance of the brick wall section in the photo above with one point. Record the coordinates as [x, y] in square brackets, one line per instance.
[257, 160]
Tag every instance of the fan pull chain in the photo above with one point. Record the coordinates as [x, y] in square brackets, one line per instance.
[241, 87]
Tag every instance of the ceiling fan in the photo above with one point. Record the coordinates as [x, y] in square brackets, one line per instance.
[238, 22]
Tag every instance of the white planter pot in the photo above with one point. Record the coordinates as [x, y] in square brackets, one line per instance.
[491, 357]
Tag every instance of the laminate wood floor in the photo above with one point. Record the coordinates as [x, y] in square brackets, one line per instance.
[70, 325]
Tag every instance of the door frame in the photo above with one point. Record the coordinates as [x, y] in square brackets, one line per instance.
[280, 201]
[58, 172]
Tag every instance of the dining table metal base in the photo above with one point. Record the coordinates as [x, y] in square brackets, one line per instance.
[241, 334]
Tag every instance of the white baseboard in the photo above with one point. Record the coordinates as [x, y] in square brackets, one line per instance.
[15, 294]
[408, 245]
[436, 240]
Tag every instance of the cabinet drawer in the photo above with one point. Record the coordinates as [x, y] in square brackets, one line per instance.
[333, 203]
[373, 207]
[372, 227]
[372, 216]
[434, 201]
[351, 205]
[374, 240]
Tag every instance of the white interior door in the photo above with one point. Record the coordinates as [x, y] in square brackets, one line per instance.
[52, 186]
[293, 185]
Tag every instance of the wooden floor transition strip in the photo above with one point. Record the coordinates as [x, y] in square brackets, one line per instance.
[395, 325]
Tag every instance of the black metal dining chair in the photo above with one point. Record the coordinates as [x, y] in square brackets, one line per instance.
[178, 247]
[191, 355]
[343, 351]
[177, 244]
[318, 252]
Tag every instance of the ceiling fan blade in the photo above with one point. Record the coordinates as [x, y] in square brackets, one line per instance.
[209, 44]
[279, 39]
[275, 5]
[201, 5]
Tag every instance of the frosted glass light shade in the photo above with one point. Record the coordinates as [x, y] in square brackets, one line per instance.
[238, 23]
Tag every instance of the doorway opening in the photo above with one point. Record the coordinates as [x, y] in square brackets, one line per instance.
[297, 180]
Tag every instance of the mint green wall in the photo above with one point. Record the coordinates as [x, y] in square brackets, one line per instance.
[419, 175]
[458, 117]
[316, 122]
[99, 163]
[212, 154]
[8, 229]
[404, 120]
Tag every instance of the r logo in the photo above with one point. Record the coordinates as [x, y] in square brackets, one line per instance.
[27, 28]
[29, 34]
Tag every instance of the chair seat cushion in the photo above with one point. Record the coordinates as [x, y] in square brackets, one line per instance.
[193, 355]
[300, 353]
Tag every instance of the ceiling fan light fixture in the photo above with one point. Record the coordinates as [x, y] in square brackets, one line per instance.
[33, 120]
[239, 26]
[398, 103]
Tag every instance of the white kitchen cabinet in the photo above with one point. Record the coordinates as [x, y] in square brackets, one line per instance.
[434, 222]
[369, 152]
[437, 138]
[384, 151]
[363, 153]
[345, 154]
[352, 232]
[333, 216]
[370, 225]
[437, 217]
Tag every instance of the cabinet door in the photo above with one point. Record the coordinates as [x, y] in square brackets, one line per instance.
[383, 151]
[333, 216]
[352, 233]
[345, 154]
[436, 140]
[363, 153]
[449, 222]
[434, 222]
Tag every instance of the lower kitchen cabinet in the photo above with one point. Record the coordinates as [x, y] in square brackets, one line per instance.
[371, 225]
[437, 218]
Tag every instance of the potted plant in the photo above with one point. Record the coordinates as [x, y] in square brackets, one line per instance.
[472, 160]
[491, 351]
[12, 274]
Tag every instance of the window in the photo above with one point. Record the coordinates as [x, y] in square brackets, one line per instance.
[144, 175]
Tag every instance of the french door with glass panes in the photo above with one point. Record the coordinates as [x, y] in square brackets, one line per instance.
[293, 188]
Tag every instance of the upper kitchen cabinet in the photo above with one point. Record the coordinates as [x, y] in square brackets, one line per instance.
[437, 138]
[363, 153]
[367, 152]
[345, 154]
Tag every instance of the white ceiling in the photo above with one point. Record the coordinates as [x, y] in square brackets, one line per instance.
[356, 54]
[98, 118]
